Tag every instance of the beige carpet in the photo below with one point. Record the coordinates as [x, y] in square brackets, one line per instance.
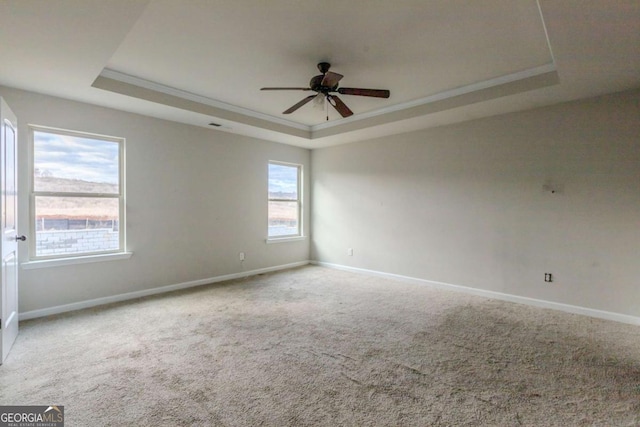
[320, 347]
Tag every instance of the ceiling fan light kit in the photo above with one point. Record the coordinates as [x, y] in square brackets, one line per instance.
[326, 84]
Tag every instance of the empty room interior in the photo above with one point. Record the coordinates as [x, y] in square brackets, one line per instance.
[297, 213]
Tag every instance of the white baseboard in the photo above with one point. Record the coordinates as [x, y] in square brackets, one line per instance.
[153, 291]
[600, 314]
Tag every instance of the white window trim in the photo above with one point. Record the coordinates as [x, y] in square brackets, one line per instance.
[272, 240]
[80, 259]
[300, 234]
[84, 257]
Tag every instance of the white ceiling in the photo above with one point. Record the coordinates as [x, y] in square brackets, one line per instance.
[203, 61]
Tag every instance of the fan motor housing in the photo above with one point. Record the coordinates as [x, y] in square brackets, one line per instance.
[316, 85]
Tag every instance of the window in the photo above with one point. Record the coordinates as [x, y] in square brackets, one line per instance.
[77, 196]
[285, 205]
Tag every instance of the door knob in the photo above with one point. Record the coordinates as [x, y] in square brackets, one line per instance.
[23, 238]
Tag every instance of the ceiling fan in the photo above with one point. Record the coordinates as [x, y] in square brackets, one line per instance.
[325, 85]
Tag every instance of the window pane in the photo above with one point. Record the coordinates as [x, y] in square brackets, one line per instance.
[73, 164]
[283, 219]
[73, 225]
[283, 182]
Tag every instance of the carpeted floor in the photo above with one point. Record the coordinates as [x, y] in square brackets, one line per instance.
[320, 347]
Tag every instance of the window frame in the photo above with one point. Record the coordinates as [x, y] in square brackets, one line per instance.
[288, 237]
[61, 259]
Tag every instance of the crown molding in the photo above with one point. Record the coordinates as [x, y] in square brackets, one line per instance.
[440, 96]
[509, 84]
[168, 90]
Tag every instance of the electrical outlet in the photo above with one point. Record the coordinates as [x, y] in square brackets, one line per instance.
[350, 251]
[548, 277]
[241, 256]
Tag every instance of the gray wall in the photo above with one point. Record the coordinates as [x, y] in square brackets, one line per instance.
[462, 204]
[465, 204]
[195, 199]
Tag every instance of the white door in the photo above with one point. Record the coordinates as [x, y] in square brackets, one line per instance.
[8, 229]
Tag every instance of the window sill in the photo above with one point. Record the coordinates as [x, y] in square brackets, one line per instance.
[284, 239]
[58, 262]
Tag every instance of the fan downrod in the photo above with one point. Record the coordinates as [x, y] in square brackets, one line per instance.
[324, 67]
[316, 83]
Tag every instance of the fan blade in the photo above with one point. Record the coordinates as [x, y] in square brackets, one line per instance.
[299, 104]
[339, 105]
[285, 88]
[331, 79]
[376, 93]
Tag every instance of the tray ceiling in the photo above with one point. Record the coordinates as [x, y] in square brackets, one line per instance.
[204, 61]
